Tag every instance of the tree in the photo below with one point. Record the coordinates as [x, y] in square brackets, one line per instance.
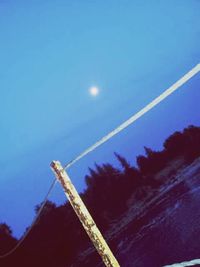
[175, 144]
[132, 178]
[192, 150]
[124, 163]
[7, 241]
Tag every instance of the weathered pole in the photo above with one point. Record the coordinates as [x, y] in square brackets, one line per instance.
[84, 216]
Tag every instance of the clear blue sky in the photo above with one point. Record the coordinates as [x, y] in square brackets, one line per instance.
[51, 52]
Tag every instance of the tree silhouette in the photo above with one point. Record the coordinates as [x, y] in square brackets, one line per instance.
[7, 240]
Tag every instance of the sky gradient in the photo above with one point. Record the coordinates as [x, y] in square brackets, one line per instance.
[52, 52]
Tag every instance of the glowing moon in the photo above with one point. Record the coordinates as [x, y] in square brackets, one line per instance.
[94, 91]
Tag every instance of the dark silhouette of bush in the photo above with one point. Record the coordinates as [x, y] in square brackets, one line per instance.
[175, 144]
[185, 144]
[102, 193]
[109, 188]
[192, 149]
[132, 177]
[7, 240]
[152, 162]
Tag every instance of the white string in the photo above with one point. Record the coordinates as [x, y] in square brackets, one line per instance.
[185, 263]
[139, 114]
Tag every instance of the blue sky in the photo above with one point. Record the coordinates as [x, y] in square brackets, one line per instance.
[51, 52]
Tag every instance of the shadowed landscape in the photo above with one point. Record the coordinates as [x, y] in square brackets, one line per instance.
[134, 207]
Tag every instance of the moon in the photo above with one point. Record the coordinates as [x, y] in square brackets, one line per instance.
[94, 91]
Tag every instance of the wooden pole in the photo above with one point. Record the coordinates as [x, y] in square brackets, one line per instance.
[84, 216]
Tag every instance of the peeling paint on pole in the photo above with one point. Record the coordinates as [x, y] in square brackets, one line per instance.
[84, 216]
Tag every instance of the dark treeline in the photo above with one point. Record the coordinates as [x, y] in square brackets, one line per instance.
[57, 238]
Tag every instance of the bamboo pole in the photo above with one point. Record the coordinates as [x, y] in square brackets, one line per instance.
[84, 216]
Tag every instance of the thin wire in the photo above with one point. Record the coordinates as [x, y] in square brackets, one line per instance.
[124, 125]
[185, 263]
[33, 222]
[138, 115]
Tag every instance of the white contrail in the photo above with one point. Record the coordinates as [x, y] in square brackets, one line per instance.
[139, 114]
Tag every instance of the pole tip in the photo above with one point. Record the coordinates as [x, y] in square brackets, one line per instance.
[54, 163]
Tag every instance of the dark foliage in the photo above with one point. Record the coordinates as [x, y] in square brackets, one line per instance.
[185, 144]
[7, 241]
[57, 238]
